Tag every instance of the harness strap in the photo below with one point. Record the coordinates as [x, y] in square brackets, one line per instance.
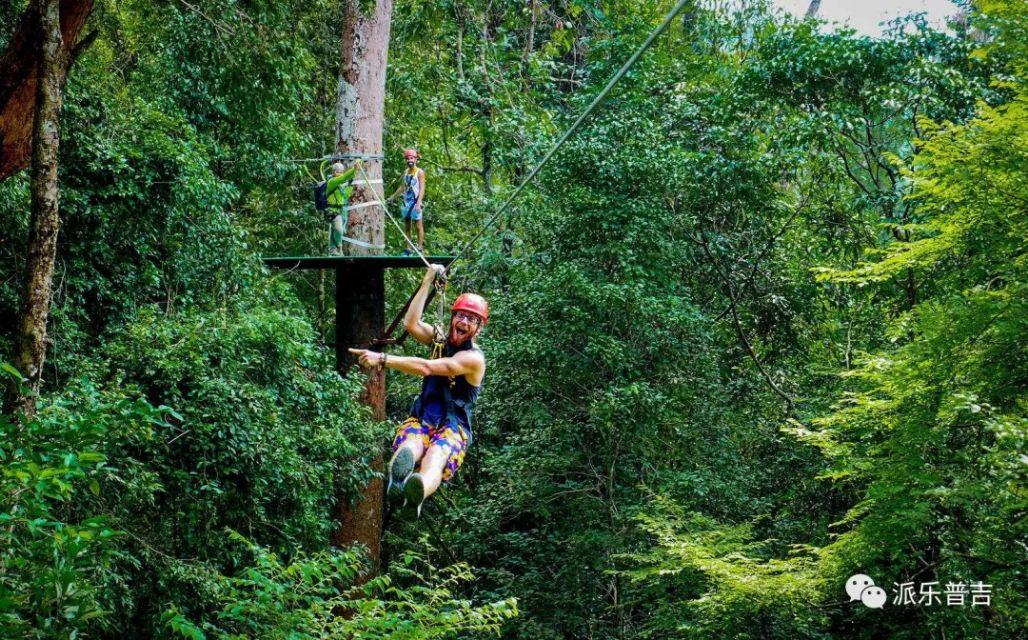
[361, 243]
[369, 203]
[439, 337]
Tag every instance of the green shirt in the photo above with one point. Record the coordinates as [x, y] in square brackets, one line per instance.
[338, 188]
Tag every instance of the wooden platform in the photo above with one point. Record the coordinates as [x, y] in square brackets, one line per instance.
[344, 262]
[360, 294]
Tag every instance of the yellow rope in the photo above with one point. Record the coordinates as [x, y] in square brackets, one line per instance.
[438, 330]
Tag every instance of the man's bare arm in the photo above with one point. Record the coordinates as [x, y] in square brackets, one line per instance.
[412, 322]
[421, 191]
[464, 363]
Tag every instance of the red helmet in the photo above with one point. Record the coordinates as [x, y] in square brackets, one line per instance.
[472, 303]
[410, 153]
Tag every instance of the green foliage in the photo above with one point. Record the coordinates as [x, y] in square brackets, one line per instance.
[707, 579]
[314, 596]
[760, 326]
[52, 549]
[930, 432]
[636, 461]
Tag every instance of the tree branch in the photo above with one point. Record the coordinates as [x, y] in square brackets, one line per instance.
[737, 323]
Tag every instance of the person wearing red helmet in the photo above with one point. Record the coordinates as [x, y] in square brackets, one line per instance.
[437, 432]
[413, 190]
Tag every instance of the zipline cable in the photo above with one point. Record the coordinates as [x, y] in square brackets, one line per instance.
[656, 33]
[439, 336]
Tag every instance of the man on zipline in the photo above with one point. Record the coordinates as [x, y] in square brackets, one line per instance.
[413, 190]
[338, 189]
[438, 431]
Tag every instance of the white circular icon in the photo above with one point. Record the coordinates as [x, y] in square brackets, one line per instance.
[873, 597]
[856, 584]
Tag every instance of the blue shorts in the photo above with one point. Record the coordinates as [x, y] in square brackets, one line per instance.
[411, 213]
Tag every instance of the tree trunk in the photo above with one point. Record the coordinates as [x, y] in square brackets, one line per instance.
[19, 68]
[813, 8]
[529, 37]
[360, 111]
[30, 336]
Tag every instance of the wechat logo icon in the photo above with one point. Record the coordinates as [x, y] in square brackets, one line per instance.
[862, 587]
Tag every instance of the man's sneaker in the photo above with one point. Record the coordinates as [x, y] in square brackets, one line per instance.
[406, 252]
[414, 491]
[400, 468]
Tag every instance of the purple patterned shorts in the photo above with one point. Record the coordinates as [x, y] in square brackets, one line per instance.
[455, 440]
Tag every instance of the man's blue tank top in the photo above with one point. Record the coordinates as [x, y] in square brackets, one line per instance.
[444, 399]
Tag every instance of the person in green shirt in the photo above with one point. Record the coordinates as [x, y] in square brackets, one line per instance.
[338, 189]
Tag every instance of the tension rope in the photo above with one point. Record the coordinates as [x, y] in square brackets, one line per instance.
[438, 333]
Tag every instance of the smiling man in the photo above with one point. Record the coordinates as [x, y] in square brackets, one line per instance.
[438, 430]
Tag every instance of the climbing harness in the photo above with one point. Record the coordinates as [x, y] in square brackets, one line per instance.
[439, 329]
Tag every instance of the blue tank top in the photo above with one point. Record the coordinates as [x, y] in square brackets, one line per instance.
[445, 400]
[411, 188]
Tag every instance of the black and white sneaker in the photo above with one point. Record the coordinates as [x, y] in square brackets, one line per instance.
[400, 468]
[414, 492]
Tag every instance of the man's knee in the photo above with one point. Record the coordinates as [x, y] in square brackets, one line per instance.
[415, 444]
[435, 458]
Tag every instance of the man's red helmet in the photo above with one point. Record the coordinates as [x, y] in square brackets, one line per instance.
[409, 153]
[472, 303]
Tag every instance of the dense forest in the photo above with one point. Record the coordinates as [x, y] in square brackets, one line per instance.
[761, 325]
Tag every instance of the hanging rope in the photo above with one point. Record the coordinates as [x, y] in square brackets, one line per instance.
[335, 156]
[385, 208]
[574, 127]
[439, 329]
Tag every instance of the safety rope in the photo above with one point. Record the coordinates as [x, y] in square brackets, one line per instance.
[574, 127]
[439, 329]
[399, 227]
[340, 156]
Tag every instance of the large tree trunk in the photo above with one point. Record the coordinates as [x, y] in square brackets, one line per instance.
[359, 132]
[360, 111]
[30, 338]
[19, 71]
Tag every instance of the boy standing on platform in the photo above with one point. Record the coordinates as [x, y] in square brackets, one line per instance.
[413, 190]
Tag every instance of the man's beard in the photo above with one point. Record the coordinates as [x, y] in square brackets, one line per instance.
[457, 337]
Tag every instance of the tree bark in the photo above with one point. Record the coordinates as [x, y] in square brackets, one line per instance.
[529, 38]
[30, 336]
[360, 110]
[813, 8]
[19, 69]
